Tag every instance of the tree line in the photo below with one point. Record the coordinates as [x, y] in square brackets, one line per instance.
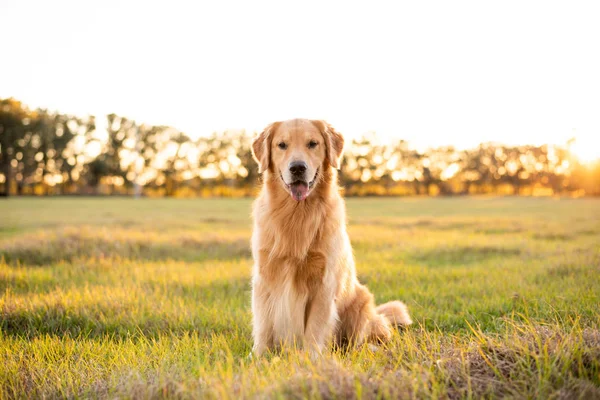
[50, 153]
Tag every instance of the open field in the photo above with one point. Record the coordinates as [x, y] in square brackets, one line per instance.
[109, 297]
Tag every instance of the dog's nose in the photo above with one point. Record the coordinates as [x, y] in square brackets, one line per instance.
[298, 167]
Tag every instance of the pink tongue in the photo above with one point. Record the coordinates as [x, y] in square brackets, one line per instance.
[299, 190]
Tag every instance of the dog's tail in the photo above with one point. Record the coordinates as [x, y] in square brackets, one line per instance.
[396, 312]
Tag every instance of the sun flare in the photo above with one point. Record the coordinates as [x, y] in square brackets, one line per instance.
[587, 150]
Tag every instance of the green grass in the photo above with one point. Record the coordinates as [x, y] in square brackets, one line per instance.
[150, 298]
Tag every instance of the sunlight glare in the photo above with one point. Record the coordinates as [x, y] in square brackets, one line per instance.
[587, 150]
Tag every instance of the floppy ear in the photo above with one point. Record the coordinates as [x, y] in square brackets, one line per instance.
[334, 143]
[261, 148]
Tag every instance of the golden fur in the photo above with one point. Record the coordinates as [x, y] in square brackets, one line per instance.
[304, 286]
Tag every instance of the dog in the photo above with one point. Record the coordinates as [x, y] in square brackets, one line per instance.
[304, 286]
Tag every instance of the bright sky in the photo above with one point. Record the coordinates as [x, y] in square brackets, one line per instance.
[434, 73]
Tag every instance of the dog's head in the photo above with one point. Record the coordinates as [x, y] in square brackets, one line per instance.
[296, 152]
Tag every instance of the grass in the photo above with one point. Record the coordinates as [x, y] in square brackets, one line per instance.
[150, 298]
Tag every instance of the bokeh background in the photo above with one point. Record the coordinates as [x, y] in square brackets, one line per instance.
[162, 100]
[48, 153]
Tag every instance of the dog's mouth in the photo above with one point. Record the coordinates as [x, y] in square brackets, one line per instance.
[300, 189]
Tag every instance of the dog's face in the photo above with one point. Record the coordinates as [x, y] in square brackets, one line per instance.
[297, 151]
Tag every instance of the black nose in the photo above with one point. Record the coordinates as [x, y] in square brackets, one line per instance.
[298, 167]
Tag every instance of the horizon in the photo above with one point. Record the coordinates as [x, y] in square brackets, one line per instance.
[453, 75]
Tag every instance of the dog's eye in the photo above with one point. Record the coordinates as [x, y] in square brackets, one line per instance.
[282, 146]
[312, 144]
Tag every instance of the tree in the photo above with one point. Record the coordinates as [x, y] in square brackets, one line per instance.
[227, 158]
[118, 153]
[171, 161]
[14, 118]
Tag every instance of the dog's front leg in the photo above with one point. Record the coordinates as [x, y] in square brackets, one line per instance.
[320, 319]
[262, 323]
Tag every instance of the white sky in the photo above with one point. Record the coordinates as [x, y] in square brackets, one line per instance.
[433, 73]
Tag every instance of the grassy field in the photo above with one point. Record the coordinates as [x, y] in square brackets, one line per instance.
[150, 298]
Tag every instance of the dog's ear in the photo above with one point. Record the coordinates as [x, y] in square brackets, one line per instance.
[334, 142]
[261, 147]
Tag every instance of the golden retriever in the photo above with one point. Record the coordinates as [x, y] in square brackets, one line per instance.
[304, 286]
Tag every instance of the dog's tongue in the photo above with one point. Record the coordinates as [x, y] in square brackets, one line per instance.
[299, 190]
